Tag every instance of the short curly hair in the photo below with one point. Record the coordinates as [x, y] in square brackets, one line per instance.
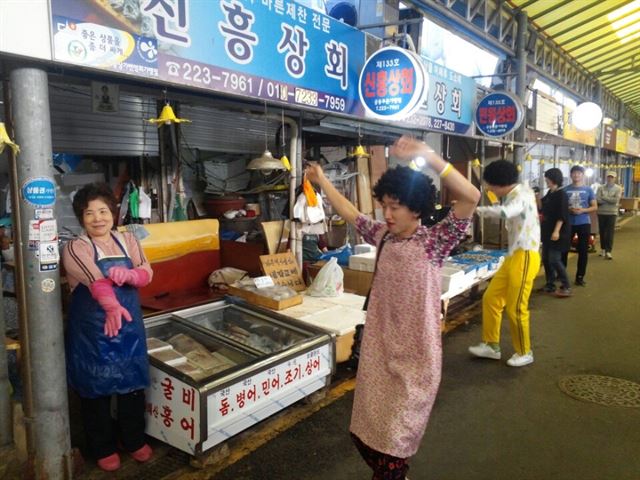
[94, 191]
[555, 175]
[500, 173]
[412, 189]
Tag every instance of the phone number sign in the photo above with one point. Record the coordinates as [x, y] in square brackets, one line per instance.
[393, 84]
[499, 114]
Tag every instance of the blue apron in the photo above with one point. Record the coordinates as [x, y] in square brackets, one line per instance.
[96, 364]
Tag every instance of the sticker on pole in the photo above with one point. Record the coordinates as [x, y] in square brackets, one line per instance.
[393, 84]
[39, 192]
[499, 114]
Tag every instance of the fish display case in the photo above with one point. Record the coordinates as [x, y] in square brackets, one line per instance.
[217, 369]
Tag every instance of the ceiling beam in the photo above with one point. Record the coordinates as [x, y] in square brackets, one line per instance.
[573, 27]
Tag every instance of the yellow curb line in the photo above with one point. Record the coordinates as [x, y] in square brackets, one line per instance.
[276, 427]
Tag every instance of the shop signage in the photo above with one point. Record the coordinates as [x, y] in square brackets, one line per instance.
[621, 141]
[448, 105]
[633, 146]
[39, 192]
[636, 171]
[499, 114]
[393, 84]
[276, 50]
[244, 403]
[548, 113]
[609, 137]
[172, 411]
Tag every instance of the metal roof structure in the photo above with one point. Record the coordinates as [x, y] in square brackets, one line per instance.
[603, 36]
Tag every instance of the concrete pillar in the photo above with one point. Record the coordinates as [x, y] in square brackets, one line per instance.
[38, 280]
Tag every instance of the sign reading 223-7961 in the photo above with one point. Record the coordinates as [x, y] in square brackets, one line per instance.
[393, 84]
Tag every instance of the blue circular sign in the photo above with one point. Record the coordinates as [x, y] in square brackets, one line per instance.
[393, 84]
[39, 192]
[498, 114]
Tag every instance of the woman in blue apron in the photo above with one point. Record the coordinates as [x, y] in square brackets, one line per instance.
[105, 340]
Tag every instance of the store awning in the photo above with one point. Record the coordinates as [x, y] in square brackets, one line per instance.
[603, 36]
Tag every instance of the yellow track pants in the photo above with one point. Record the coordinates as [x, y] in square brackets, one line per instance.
[510, 288]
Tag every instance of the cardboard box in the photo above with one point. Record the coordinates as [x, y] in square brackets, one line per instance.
[263, 301]
[354, 281]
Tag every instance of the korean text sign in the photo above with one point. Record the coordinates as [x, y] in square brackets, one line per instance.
[172, 411]
[449, 103]
[270, 49]
[498, 114]
[392, 84]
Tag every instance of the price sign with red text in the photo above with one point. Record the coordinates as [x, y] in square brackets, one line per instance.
[172, 411]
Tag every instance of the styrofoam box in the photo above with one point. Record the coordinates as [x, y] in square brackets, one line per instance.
[363, 248]
[451, 278]
[364, 262]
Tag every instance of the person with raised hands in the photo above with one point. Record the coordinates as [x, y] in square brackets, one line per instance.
[401, 353]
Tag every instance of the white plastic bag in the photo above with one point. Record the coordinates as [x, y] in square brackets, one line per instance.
[329, 281]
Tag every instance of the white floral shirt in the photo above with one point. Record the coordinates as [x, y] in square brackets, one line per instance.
[520, 212]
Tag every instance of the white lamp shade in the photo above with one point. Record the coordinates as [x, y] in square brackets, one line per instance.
[265, 162]
[587, 116]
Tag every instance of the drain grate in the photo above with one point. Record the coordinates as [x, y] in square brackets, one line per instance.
[608, 391]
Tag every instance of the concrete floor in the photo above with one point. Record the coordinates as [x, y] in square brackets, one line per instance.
[494, 422]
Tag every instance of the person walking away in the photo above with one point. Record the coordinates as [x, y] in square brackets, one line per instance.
[511, 286]
[105, 340]
[582, 201]
[608, 198]
[555, 232]
[401, 353]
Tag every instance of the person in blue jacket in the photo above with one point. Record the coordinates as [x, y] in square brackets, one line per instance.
[106, 349]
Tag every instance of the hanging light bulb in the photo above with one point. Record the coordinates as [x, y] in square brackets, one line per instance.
[266, 163]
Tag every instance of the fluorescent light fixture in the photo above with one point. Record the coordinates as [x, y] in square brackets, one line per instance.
[622, 11]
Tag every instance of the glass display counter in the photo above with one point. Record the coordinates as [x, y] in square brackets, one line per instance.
[217, 369]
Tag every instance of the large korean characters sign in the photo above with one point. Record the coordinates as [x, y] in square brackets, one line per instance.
[393, 84]
[275, 50]
[499, 114]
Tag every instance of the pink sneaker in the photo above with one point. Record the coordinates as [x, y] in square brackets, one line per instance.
[143, 454]
[110, 463]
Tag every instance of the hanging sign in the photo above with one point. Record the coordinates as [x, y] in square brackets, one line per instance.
[39, 192]
[393, 84]
[499, 114]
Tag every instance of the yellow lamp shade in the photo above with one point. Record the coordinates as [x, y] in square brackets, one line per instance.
[167, 117]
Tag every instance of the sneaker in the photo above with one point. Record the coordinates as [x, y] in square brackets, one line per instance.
[484, 350]
[608, 256]
[563, 292]
[602, 253]
[143, 454]
[546, 289]
[518, 360]
[110, 463]
[580, 282]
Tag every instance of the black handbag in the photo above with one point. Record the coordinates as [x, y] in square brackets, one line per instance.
[354, 358]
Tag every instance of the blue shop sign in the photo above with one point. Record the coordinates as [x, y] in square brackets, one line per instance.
[392, 84]
[270, 49]
[448, 105]
[39, 192]
[499, 114]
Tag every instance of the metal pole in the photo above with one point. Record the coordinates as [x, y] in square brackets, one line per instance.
[521, 85]
[6, 424]
[41, 331]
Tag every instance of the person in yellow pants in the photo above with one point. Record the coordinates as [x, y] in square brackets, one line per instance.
[511, 286]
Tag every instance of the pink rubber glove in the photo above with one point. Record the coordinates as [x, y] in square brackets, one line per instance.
[102, 292]
[137, 277]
